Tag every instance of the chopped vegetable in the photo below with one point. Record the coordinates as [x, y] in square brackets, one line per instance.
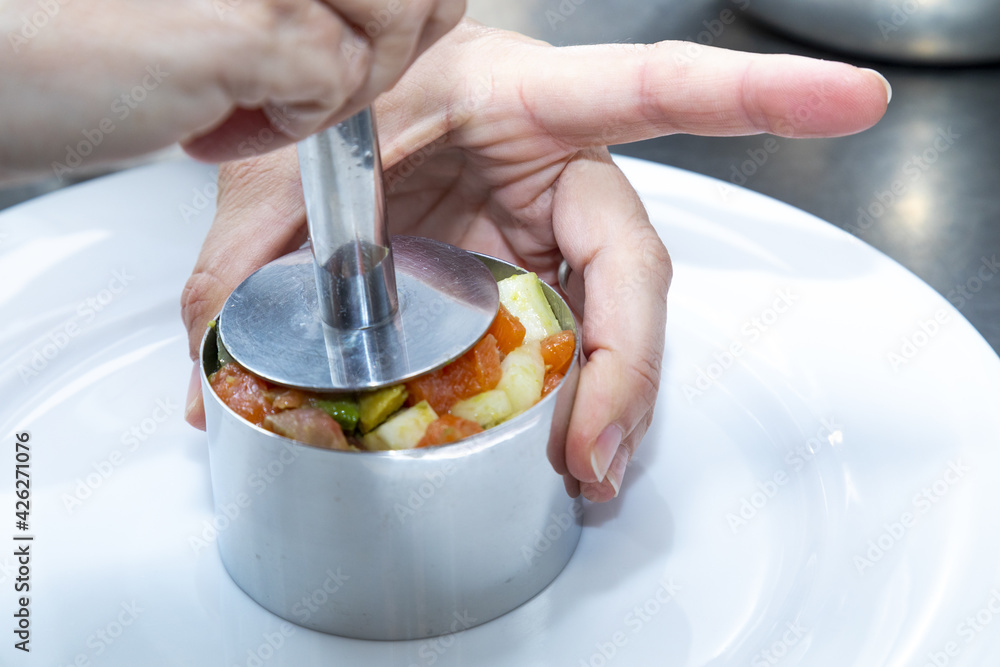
[448, 428]
[522, 295]
[309, 425]
[403, 430]
[486, 409]
[557, 351]
[376, 406]
[508, 331]
[476, 371]
[243, 392]
[345, 411]
[523, 375]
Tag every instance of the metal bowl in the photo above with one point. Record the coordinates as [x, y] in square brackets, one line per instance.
[402, 544]
[924, 31]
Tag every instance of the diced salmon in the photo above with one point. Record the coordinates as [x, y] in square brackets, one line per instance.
[243, 392]
[557, 351]
[448, 428]
[507, 330]
[552, 381]
[309, 425]
[476, 371]
[288, 399]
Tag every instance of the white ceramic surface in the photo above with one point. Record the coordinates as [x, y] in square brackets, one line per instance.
[811, 500]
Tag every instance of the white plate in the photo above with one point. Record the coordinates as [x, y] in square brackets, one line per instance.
[773, 516]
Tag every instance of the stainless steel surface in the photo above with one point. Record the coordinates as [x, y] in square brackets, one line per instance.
[395, 545]
[358, 325]
[945, 224]
[345, 208]
[447, 301]
[931, 31]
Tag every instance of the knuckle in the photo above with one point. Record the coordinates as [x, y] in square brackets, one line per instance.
[274, 13]
[233, 174]
[645, 375]
[246, 184]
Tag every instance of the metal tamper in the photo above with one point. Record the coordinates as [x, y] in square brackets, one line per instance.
[357, 312]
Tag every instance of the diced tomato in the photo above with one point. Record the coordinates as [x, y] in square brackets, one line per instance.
[557, 351]
[476, 371]
[309, 425]
[551, 381]
[508, 331]
[448, 428]
[244, 393]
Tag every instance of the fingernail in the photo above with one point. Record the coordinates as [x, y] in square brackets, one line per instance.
[885, 82]
[604, 450]
[194, 391]
[616, 473]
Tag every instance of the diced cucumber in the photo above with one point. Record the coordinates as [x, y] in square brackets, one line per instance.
[523, 374]
[522, 295]
[403, 430]
[376, 406]
[486, 409]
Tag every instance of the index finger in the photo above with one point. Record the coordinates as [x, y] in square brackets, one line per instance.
[619, 93]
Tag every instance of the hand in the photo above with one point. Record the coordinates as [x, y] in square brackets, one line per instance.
[495, 143]
[90, 82]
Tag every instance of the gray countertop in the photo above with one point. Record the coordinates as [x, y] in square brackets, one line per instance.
[933, 207]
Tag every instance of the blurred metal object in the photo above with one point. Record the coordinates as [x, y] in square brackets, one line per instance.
[919, 31]
[402, 544]
[357, 313]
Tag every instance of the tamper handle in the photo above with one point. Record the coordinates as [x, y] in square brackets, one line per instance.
[345, 208]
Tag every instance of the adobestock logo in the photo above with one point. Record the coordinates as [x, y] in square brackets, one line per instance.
[913, 170]
[122, 107]
[635, 621]
[923, 501]
[32, 24]
[59, 339]
[911, 344]
[781, 647]
[751, 331]
[544, 539]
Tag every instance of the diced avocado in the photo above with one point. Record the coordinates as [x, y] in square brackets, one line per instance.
[486, 409]
[376, 406]
[522, 295]
[344, 410]
[523, 374]
[403, 430]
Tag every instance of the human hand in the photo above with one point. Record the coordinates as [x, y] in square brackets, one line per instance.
[495, 143]
[87, 83]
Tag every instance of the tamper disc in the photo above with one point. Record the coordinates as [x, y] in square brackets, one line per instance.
[271, 323]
